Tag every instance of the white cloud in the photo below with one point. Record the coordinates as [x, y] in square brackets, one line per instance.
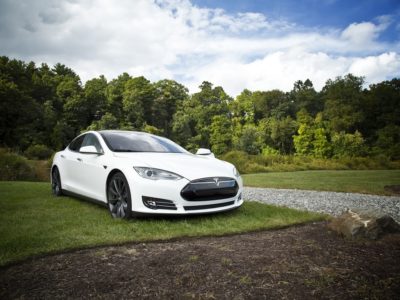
[176, 39]
[362, 33]
[376, 68]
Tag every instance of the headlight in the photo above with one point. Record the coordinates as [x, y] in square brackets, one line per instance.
[236, 172]
[156, 174]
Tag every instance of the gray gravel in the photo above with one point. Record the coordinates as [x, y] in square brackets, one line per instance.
[331, 203]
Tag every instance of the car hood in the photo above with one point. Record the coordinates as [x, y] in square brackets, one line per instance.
[187, 165]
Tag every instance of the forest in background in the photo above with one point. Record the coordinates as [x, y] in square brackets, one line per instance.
[44, 108]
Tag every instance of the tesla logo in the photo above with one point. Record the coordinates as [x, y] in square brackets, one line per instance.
[216, 181]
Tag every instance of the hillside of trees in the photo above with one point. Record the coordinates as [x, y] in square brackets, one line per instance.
[48, 106]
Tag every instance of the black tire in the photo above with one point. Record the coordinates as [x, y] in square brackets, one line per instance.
[119, 197]
[56, 187]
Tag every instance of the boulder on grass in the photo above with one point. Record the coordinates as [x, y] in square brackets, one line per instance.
[363, 224]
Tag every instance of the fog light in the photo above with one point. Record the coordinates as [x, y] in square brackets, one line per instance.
[157, 203]
[149, 202]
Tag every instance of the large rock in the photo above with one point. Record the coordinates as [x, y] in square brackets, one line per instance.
[363, 224]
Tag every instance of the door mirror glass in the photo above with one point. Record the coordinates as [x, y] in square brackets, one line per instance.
[205, 152]
[89, 150]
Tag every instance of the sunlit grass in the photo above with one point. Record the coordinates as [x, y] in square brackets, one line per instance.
[34, 222]
[368, 181]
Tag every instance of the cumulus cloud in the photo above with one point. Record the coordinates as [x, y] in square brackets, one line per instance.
[178, 40]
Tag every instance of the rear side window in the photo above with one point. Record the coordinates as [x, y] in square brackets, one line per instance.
[76, 143]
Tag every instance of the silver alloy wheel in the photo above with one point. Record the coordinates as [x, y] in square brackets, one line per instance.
[118, 197]
[56, 182]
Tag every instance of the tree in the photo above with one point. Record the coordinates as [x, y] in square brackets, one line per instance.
[195, 115]
[343, 103]
[107, 121]
[138, 98]
[95, 98]
[250, 140]
[279, 133]
[169, 95]
[304, 96]
[221, 134]
[348, 144]
[243, 108]
[388, 141]
[114, 95]
[313, 136]
[273, 103]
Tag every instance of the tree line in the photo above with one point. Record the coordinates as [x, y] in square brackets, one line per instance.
[42, 105]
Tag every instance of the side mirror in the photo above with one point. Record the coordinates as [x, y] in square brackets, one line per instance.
[89, 150]
[205, 152]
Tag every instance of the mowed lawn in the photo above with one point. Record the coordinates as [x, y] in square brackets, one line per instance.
[367, 182]
[34, 222]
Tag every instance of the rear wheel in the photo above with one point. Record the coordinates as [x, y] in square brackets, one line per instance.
[56, 182]
[119, 197]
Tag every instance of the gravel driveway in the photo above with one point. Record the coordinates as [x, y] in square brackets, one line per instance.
[331, 203]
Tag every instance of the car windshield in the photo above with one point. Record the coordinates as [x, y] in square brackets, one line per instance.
[139, 142]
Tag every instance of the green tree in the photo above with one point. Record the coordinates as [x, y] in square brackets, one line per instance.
[107, 121]
[243, 108]
[388, 141]
[304, 96]
[138, 98]
[344, 102]
[221, 134]
[348, 144]
[303, 141]
[169, 95]
[114, 95]
[273, 103]
[250, 140]
[95, 101]
[195, 115]
[279, 133]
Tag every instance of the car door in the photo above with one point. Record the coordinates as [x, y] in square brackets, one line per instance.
[92, 170]
[70, 164]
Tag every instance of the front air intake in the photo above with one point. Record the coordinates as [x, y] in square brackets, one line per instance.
[211, 188]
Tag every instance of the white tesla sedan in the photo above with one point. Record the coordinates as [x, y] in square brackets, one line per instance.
[137, 173]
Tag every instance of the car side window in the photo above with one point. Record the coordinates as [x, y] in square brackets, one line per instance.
[91, 140]
[75, 145]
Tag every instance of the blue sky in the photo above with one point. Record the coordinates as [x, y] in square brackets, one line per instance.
[316, 13]
[258, 45]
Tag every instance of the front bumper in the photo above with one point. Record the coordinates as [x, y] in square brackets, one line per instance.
[165, 198]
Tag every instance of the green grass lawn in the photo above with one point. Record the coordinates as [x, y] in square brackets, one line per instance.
[33, 222]
[368, 182]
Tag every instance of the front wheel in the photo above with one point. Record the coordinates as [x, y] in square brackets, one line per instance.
[56, 182]
[119, 197]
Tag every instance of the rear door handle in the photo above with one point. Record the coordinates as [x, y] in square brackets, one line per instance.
[79, 159]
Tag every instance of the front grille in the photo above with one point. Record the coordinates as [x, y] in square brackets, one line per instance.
[156, 203]
[197, 207]
[212, 188]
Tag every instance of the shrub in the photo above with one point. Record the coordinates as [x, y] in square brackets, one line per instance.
[15, 167]
[239, 158]
[38, 152]
[246, 163]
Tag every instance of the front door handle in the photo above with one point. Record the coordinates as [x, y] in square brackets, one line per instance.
[79, 159]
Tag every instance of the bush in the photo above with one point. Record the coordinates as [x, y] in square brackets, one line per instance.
[239, 158]
[15, 167]
[38, 152]
[247, 163]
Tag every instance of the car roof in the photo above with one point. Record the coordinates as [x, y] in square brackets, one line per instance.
[122, 131]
